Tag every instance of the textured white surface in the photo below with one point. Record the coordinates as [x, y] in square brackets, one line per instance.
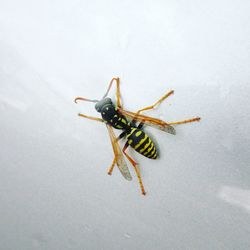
[54, 190]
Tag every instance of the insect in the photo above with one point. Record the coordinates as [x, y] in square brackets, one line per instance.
[114, 116]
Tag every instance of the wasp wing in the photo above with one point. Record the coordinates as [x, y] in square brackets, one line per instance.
[120, 161]
[150, 121]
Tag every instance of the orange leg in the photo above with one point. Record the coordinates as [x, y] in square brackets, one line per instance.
[156, 103]
[196, 119]
[112, 166]
[135, 167]
[91, 117]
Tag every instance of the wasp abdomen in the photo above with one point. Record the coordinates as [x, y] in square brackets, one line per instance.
[141, 142]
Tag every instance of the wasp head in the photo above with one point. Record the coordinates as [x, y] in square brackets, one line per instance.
[106, 108]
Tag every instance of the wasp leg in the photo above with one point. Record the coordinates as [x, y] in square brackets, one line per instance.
[118, 94]
[156, 103]
[91, 117]
[196, 119]
[151, 107]
[112, 166]
[141, 124]
[133, 123]
[135, 167]
[114, 160]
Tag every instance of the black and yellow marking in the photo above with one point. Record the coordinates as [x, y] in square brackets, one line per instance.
[137, 139]
[118, 121]
[141, 142]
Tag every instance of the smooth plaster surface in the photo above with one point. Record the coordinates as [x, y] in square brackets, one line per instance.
[54, 190]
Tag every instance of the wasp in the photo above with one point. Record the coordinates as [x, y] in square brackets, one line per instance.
[114, 116]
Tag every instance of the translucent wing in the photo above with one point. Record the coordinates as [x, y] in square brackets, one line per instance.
[150, 121]
[120, 161]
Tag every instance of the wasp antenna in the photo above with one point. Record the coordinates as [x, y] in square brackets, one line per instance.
[110, 85]
[84, 99]
[105, 94]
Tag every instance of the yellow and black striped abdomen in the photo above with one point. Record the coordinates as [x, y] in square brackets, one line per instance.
[141, 142]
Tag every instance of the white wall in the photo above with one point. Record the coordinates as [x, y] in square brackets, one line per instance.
[54, 190]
